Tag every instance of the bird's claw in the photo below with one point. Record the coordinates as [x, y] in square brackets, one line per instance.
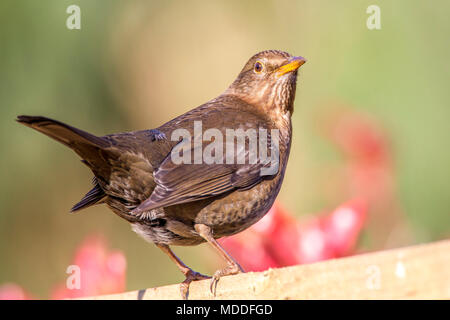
[230, 269]
[191, 275]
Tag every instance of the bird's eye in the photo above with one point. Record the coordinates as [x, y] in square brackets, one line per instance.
[258, 67]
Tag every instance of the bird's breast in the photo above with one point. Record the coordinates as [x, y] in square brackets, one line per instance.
[240, 209]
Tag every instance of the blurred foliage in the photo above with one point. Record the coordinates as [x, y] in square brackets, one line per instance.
[136, 64]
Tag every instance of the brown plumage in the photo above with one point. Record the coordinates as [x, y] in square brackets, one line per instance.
[169, 203]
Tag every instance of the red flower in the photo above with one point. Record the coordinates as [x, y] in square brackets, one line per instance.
[332, 236]
[11, 291]
[101, 271]
[98, 270]
[368, 171]
[279, 240]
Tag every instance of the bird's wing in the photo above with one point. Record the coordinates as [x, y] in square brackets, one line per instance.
[178, 183]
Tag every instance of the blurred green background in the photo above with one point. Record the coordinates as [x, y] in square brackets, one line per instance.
[136, 64]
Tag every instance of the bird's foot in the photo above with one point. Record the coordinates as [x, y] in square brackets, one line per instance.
[230, 269]
[191, 275]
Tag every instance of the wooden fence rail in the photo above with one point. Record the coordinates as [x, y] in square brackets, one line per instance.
[417, 272]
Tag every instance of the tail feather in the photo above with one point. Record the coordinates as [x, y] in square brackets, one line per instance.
[88, 146]
[92, 197]
[61, 132]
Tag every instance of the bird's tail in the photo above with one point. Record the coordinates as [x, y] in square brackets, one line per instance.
[88, 146]
[62, 132]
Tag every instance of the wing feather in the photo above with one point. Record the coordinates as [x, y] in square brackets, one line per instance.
[182, 183]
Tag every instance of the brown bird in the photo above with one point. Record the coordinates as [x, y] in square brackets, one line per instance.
[218, 194]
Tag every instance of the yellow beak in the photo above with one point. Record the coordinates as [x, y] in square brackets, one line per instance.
[293, 64]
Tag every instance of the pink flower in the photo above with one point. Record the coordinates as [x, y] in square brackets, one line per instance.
[368, 171]
[332, 236]
[265, 244]
[280, 240]
[11, 291]
[101, 271]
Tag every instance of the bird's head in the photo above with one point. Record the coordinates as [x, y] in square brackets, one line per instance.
[268, 80]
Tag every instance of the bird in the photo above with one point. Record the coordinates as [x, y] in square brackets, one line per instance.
[169, 202]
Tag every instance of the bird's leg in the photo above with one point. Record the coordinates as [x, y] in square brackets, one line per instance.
[232, 266]
[190, 274]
